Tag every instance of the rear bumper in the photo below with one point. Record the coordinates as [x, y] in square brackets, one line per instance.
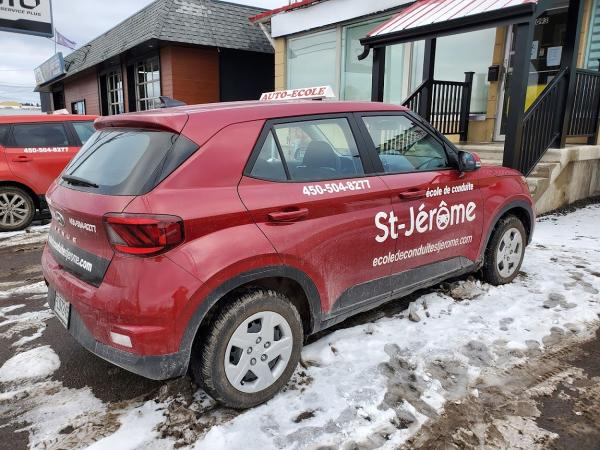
[161, 367]
[138, 298]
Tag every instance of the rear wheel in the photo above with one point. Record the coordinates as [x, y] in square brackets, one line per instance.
[505, 251]
[251, 350]
[16, 209]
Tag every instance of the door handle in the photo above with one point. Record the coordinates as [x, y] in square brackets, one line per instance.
[288, 216]
[22, 158]
[411, 195]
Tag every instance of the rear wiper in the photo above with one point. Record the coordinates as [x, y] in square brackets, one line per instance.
[76, 181]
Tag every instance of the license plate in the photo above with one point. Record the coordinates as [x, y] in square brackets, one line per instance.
[62, 309]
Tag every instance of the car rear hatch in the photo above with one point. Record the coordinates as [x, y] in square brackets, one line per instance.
[124, 159]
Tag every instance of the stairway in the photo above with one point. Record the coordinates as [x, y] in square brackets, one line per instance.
[544, 173]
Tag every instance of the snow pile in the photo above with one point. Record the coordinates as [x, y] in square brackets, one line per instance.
[39, 362]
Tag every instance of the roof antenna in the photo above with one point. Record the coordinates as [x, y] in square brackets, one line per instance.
[168, 102]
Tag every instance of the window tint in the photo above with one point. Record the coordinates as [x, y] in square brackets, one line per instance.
[40, 135]
[403, 146]
[268, 165]
[319, 149]
[4, 134]
[129, 162]
[84, 130]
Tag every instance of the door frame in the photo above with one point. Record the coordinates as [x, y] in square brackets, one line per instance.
[498, 137]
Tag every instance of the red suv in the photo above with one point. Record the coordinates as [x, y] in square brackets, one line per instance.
[215, 238]
[33, 152]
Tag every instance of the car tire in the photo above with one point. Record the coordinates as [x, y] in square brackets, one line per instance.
[17, 209]
[505, 251]
[238, 344]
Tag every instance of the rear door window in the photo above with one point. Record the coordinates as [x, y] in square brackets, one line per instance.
[84, 130]
[40, 135]
[268, 165]
[127, 161]
[312, 150]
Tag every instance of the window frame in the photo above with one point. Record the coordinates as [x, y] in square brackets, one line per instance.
[269, 127]
[156, 82]
[117, 76]
[448, 147]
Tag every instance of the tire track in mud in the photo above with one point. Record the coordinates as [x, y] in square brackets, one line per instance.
[550, 402]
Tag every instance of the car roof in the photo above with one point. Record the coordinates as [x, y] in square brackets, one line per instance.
[45, 118]
[219, 115]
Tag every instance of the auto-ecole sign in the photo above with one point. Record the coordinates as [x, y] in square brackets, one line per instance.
[27, 17]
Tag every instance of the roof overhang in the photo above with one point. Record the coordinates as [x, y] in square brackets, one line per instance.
[417, 22]
[266, 16]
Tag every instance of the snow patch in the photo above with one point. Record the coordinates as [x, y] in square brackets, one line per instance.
[39, 362]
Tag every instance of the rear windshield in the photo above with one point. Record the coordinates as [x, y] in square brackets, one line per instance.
[127, 161]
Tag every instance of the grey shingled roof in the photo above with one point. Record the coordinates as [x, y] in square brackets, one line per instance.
[211, 23]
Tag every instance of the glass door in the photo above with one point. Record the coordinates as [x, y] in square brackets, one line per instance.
[549, 36]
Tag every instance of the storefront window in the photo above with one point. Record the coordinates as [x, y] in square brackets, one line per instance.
[147, 83]
[312, 60]
[467, 52]
[401, 77]
[356, 75]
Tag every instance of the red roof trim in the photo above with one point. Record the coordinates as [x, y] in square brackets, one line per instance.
[301, 4]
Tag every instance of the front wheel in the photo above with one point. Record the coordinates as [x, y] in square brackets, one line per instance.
[251, 350]
[16, 209]
[505, 252]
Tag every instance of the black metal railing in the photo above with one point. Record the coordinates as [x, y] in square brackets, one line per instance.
[542, 123]
[586, 107]
[444, 104]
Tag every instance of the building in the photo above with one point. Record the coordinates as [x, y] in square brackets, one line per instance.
[195, 51]
[457, 63]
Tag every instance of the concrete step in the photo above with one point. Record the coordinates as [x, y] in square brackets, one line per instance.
[537, 186]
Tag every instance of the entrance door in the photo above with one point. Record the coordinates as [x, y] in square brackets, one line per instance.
[549, 36]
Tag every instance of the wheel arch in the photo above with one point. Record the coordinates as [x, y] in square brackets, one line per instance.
[296, 285]
[519, 208]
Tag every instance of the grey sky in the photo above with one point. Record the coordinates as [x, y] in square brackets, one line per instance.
[78, 20]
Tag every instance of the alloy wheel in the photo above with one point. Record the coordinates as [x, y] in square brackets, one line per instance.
[14, 209]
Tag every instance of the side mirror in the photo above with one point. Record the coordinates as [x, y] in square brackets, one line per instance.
[468, 162]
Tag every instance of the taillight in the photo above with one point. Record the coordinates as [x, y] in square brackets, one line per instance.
[142, 234]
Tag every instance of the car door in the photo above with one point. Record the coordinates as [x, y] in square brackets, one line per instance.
[309, 189]
[436, 216]
[38, 152]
